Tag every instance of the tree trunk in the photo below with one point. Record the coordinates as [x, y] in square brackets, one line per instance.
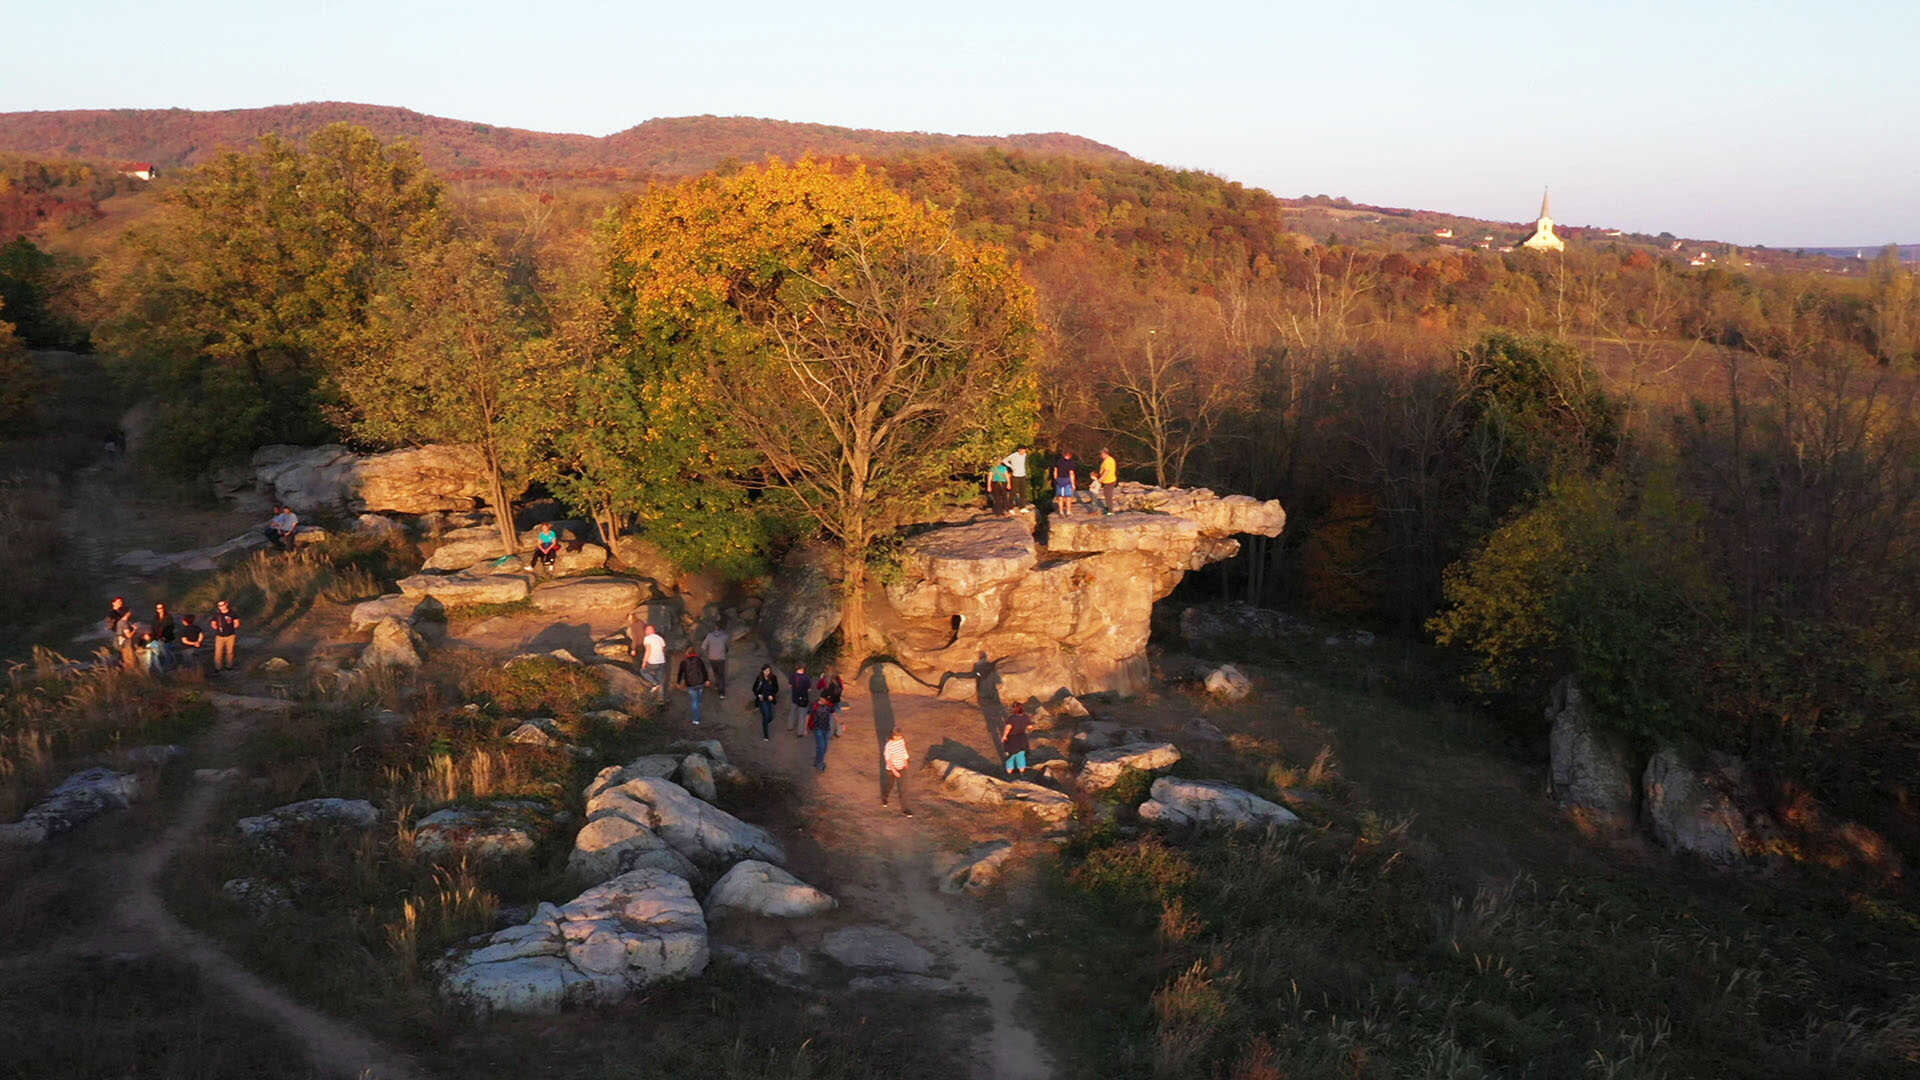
[503, 511]
[853, 611]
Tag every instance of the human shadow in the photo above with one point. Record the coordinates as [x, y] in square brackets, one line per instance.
[576, 638]
[883, 721]
[950, 754]
[986, 686]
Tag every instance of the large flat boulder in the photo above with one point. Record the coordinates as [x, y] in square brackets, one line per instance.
[414, 481]
[78, 799]
[499, 831]
[452, 589]
[1591, 766]
[338, 813]
[368, 613]
[803, 606]
[966, 560]
[972, 786]
[1103, 768]
[753, 887]
[583, 594]
[704, 833]
[614, 844]
[639, 929]
[876, 948]
[1179, 802]
[1124, 531]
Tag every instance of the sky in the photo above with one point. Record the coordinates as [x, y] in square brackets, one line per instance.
[1750, 121]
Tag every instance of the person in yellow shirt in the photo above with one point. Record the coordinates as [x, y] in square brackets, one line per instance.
[1109, 475]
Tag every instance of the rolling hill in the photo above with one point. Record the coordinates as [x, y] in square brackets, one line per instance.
[171, 138]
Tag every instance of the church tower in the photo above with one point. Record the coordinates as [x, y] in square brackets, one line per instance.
[1543, 238]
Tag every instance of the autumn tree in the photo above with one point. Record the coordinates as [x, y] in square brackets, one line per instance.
[257, 281]
[873, 360]
[452, 366]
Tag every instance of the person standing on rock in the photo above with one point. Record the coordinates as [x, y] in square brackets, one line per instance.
[193, 638]
[226, 634]
[820, 722]
[801, 685]
[164, 631]
[766, 696]
[1016, 463]
[693, 678]
[714, 648]
[546, 547]
[1000, 488]
[653, 659]
[1065, 479]
[1013, 739]
[127, 640]
[893, 761]
[117, 612]
[1108, 475]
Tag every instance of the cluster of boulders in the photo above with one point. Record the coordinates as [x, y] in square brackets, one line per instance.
[648, 843]
[73, 802]
[1702, 803]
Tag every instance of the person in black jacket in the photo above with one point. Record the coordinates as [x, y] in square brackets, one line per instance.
[766, 694]
[802, 685]
[693, 677]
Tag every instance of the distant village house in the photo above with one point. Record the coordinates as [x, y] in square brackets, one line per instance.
[139, 170]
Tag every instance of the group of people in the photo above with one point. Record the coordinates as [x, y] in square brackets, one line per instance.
[281, 528]
[166, 642]
[1007, 483]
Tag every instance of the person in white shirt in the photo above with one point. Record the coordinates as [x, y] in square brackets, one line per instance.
[713, 649]
[894, 757]
[1016, 463]
[653, 659]
[281, 527]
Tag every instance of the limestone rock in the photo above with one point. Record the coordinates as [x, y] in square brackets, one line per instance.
[900, 982]
[154, 757]
[613, 844]
[578, 595]
[696, 775]
[753, 887]
[1103, 768]
[379, 525]
[641, 928]
[966, 560]
[977, 869]
[345, 813]
[1213, 626]
[259, 898]
[463, 548]
[1123, 531]
[78, 799]
[369, 613]
[711, 749]
[1101, 734]
[463, 588]
[786, 966]
[1229, 683]
[803, 606]
[502, 830]
[394, 645]
[629, 692]
[1709, 809]
[1180, 802]
[703, 833]
[876, 948]
[1591, 766]
[415, 481]
[978, 788]
[583, 559]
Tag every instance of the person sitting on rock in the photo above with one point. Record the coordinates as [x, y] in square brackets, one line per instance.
[1013, 739]
[281, 527]
[546, 547]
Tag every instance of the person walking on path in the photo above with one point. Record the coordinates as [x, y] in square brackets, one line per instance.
[830, 690]
[893, 759]
[281, 527]
[714, 649]
[1000, 488]
[820, 722]
[127, 640]
[766, 696]
[653, 659]
[1065, 479]
[1013, 739]
[1016, 463]
[546, 547]
[1108, 475]
[801, 685]
[693, 678]
[226, 634]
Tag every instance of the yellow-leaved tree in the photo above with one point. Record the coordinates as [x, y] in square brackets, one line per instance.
[873, 361]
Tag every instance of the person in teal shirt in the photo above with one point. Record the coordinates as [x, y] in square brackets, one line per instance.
[546, 546]
[1000, 488]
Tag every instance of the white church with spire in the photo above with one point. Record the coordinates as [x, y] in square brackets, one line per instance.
[1543, 238]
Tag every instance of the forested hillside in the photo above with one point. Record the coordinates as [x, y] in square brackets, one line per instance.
[675, 146]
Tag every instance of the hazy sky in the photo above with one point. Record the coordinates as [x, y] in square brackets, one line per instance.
[1745, 120]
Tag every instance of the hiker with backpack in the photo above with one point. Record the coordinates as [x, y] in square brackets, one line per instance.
[820, 723]
[693, 678]
[801, 685]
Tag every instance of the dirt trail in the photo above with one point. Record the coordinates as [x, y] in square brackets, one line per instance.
[334, 1048]
[880, 863]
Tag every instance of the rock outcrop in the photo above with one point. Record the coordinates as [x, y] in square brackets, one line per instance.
[341, 813]
[501, 831]
[1181, 802]
[977, 869]
[575, 596]
[77, 800]
[1708, 808]
[1591, 767]
[753, 887]
[1103, 768]
[983, 598]
[803, 606]
[466, 588]
[395, 644]
[416, 481]
[705, 834]
[638, 929]
[973, 786]
[1228, 683]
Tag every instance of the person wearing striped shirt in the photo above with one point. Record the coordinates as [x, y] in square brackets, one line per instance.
[894, 757]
